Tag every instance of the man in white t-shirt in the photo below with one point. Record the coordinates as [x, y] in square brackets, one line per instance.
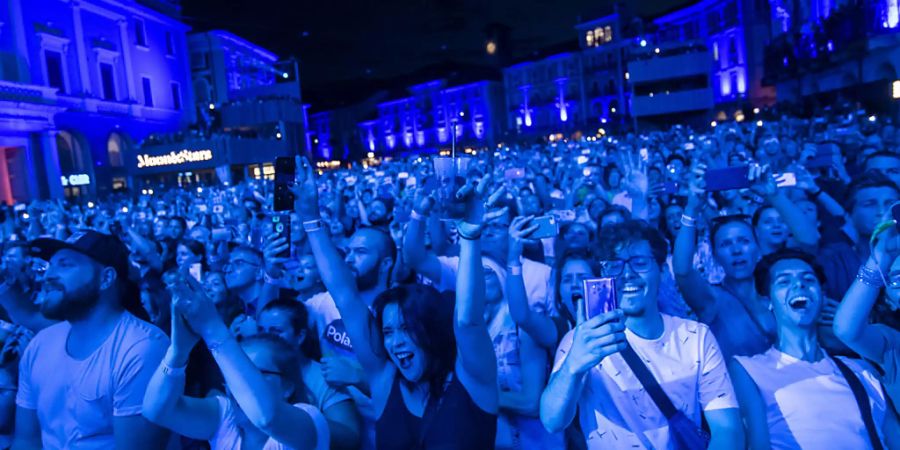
[82, 380]
[795, 395]
[590, 376]
[441, 270]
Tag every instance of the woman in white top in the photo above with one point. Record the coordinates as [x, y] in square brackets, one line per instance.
[262, 410]
[794, 395]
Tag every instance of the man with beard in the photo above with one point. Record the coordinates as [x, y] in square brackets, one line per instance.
[82, 380]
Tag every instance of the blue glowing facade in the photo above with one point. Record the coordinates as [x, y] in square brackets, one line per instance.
[567, 90]
[425, 119]
[830, 48]
[81, 82]
[250, 111]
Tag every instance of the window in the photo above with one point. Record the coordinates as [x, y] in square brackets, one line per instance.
[114, 147]
[170, 44]
[140, 34]
[715, 51]
[55, 76]
[107, 81]
[148, 92]
[176, 96]
[589, 38]
[734, 83]
[734, 58]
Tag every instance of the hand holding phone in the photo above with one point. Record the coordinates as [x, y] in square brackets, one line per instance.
[728, 178]
[599, 296]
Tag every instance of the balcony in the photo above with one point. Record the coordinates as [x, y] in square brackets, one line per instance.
[666, 67]
[675, 102]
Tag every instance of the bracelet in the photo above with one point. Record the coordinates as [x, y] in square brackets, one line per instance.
[312, 225]
[462, 235]
[688, 221]
[869, 277]
[514, 270]
[416, 216]
[173, 371]
[213, 346]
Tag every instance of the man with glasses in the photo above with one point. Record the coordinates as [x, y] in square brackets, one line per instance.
[244, 276]
[590, 375]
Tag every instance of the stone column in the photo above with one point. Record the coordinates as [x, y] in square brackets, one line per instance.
[126, 55]
[80, 48]
[51, 163]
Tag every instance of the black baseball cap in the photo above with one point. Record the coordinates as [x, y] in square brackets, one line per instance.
[105, 249]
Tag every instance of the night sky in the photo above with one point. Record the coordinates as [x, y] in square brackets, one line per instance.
[345, 45]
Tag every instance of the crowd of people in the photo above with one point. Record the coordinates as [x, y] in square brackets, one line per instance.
[754, 270]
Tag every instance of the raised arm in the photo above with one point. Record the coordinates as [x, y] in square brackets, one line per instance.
[476, 364]
[693, 287]
[337, 277]
[266, 409]
[414, 252]
[164, 401]
[539, 326]
[800, 225]
[851, 323]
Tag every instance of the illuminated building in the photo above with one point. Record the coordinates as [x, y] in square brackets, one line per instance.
[81, 82]
[249, 111]
[827, 48]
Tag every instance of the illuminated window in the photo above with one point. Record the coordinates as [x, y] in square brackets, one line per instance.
[608, 33]
[140, 33]
[589, 38]
[114, 148]
[715, 51]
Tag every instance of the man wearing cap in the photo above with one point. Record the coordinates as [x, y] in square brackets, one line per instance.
[82, 380]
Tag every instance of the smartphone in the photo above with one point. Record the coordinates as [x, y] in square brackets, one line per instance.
[599, 296]
[218, 209]
[689, 146]
[824, 157]
[586, 151]
[582, 160]
[221, 234]
[160, 214]
[895, 213]
[557, 158]
[285, 172]
[196, 271]
[563, 215]
[281, 225]
[19, 208]
[547, 227]
[515, 174]
[645, 154]
[728, 178]
[202, 208]
[402, 175]
[786, 179]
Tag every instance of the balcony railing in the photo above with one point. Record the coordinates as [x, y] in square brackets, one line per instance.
[841, 36]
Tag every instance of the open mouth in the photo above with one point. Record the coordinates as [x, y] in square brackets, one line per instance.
[799, 302]
[404, 359]
[630, 289]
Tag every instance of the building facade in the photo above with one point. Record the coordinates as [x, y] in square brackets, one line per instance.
[81, 81]
[433, 116]
[249, 111]
[828, 49]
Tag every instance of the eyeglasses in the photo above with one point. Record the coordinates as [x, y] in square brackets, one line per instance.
[241, 262]
[615, 267]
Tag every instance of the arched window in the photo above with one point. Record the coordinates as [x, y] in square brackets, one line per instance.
[114, 148]
[71, 155]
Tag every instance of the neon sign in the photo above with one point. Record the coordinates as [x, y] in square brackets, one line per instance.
[174, 158]
[80, 179]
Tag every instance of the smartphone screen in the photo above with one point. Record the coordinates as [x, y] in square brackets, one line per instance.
[196, 271]
[599, 296]
[515, 174]
[728, 178]
[786, 179]
[285, 171]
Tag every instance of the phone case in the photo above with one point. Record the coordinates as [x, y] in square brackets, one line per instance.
[728, 178]
[599, 296]
[547, 227]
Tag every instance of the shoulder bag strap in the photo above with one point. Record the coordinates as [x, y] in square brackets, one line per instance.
[649, 382]
[862, 401]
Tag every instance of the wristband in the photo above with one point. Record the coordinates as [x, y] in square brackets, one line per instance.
[815, 195]
[514, 270]
[312, 225]
[173, 371]
[213, 346]
[688, 221]
[416, 216]
[474, 237]
[870, 277]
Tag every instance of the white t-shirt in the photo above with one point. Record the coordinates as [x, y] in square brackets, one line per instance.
[325, 321]
[228, 436]
[810, 404]
[76, 400]
[615, 410]
[535, 275]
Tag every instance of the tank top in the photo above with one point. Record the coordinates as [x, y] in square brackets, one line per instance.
[454, 422]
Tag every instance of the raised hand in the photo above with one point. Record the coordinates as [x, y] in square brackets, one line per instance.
[423, 201]
[198, 310]
[594, 339]
[519, 231]
[634, 173]
[762, 180]
[340, 371]
[183, 339]
[274, 264]
[306, 192]
[696, 186]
